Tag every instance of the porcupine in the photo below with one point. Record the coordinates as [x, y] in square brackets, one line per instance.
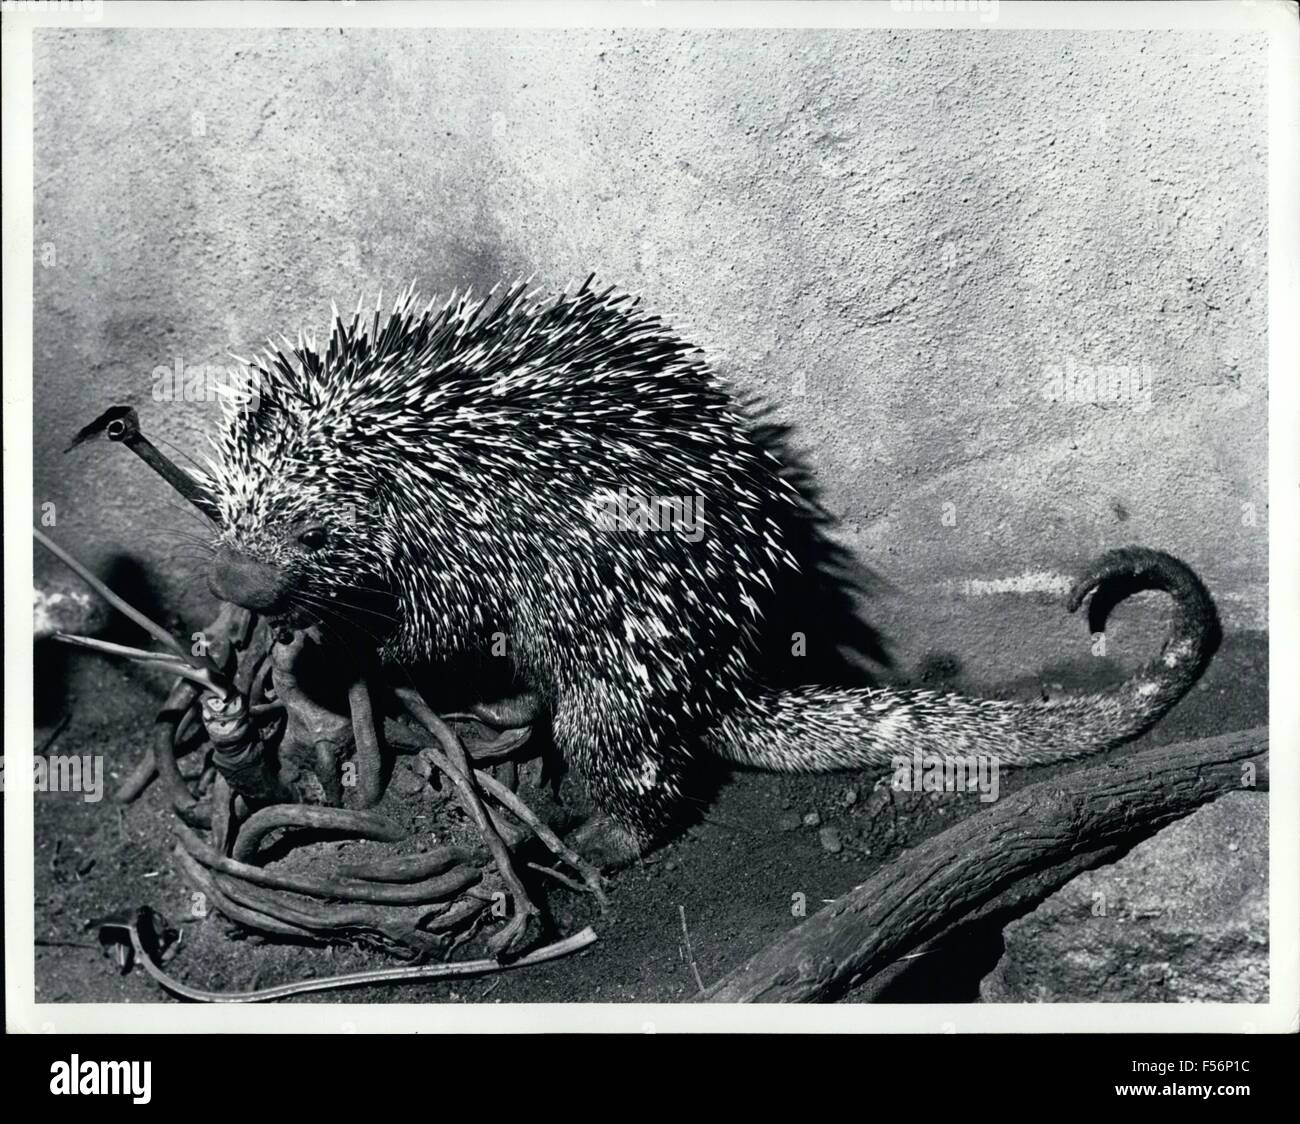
[467, 460]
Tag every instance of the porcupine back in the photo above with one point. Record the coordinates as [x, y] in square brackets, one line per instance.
[493, 465]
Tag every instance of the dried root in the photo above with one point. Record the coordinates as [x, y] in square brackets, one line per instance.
[359, 825]
[454, 764]
[409, 904]
[273, 753]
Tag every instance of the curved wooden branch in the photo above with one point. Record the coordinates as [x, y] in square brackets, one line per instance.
[431, 889]
[363, 825]
[982, 861]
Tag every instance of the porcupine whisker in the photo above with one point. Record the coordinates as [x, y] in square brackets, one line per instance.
[188, 553]
[330, 630]
[178, 546]
[325, 613]
[347, 607]
[179, 534]
[368, 595]
[189, 511]
[180, 452]
[176, 503]
[354, 587]
[320, 618]
[334, 626]
[339, 603]
[341, 623]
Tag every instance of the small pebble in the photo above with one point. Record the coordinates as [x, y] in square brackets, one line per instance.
[830, 839]
[407, 783]
[812, 819]
[851, 797]
[789, 822]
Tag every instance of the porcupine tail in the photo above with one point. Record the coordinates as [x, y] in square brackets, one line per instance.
[812, 729]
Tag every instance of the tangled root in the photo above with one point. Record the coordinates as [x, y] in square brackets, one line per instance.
[419, 905]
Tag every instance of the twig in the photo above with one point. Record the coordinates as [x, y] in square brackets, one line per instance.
[690, 954]
[155, 630]
[559, 876]
[137, 780]
[53, 734]
[204, 678]
[178, 704]
[455, 765]
[140, 655]
[1022, 896]
[198, 667]
[511, 802]
[463, 969]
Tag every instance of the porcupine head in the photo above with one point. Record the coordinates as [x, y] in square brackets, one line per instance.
[564, 487]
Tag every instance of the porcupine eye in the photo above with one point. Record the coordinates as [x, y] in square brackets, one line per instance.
[313, 538]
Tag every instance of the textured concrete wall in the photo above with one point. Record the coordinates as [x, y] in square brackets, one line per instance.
[909, 244]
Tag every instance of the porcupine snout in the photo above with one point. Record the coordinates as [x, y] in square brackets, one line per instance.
[245, 581]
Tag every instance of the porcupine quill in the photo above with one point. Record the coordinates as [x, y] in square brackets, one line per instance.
[567, 482]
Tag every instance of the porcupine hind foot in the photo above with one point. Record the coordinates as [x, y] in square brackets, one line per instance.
[606, 843]
[622, 746]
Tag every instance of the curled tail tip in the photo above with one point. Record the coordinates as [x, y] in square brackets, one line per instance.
[1119, 573]
[1138, 566]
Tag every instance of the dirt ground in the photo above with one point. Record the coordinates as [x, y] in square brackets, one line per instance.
[729, 881]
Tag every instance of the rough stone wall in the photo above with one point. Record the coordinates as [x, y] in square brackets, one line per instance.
[913, 245]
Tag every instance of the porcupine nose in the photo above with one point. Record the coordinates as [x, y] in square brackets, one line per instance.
[245, 581]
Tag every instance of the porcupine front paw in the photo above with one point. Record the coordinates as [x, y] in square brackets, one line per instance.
[606, 844]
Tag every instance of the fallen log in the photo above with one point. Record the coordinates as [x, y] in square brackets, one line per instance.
[1033, 840]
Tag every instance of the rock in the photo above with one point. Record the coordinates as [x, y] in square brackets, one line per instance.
[812, 819]
[1182, 917]
[850, 797]
[830, 840]
[407, 781]
[67, 604]
[789, 822]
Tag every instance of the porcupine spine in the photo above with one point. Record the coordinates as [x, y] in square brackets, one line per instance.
[811, 729]
[822, 730]
[473, 437]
